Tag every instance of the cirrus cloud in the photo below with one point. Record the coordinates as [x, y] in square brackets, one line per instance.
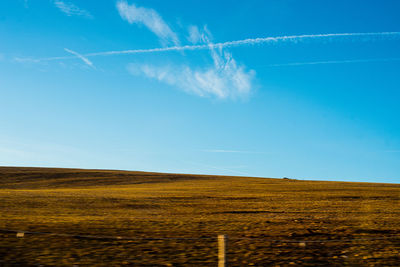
[71, 9]
[225, 78]
[149, 18]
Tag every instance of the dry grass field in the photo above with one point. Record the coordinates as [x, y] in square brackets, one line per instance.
[253, 212]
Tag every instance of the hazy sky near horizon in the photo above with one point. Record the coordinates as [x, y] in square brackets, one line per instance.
[305, 89]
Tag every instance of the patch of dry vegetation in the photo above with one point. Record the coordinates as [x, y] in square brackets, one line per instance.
[143, 205]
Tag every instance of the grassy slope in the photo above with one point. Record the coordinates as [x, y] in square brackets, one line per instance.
[138, 204]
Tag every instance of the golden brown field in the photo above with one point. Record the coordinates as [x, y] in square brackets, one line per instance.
[340, 217]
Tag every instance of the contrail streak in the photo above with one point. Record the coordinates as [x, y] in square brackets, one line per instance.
[335, 62]
[83, 58]
[250, 41]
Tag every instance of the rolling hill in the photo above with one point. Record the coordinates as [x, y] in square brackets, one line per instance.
[107, 217]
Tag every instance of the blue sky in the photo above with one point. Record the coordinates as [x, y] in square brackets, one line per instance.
[303, 89]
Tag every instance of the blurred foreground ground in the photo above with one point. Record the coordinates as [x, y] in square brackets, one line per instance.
[251, 211]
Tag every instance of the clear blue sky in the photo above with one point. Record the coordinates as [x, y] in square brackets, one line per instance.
[308, 107]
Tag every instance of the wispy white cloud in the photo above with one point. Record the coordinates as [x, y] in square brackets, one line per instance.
[71, 9]
[196, 36]
[84, 59]
[230, 82]
[148, 17]
[223, 79]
